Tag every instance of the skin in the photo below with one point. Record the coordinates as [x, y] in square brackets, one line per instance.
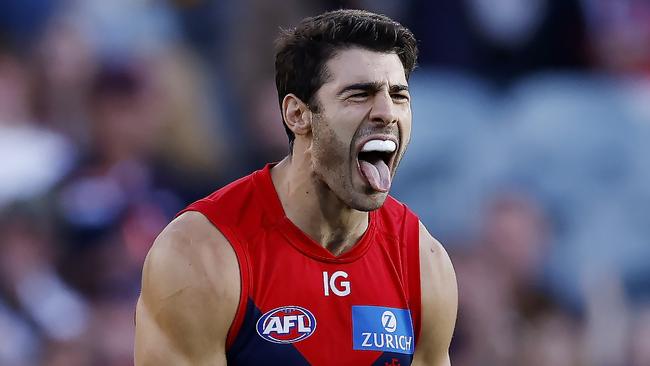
[190, 286]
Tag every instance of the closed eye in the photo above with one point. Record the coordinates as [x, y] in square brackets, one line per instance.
[359, 95]
[400, 97]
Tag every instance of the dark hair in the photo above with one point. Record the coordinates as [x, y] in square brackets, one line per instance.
[301, 52]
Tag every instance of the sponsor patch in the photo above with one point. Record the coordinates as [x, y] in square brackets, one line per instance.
[376, 328]
[286, 324]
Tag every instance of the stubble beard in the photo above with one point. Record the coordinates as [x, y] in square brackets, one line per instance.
[334, 165]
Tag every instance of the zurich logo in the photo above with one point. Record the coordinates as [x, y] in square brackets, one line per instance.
[286, 324]
[389, 321]
[379, 328]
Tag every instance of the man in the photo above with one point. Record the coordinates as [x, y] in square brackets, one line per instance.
[309, 261]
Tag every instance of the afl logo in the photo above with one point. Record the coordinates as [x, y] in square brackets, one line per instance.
[286, 324]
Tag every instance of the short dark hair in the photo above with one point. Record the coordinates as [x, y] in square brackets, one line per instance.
[302, 52]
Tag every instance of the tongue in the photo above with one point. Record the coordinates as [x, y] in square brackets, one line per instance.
[377, 174]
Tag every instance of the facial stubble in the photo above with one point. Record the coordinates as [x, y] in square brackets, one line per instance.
[334, 165]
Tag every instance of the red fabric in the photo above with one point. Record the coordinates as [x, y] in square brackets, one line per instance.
[281, 266]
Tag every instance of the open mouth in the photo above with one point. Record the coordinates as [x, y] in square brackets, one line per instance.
[375, 159]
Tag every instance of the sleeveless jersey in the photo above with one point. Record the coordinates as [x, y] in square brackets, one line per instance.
[300, 304]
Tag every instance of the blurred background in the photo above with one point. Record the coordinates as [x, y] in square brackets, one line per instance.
[530, 161]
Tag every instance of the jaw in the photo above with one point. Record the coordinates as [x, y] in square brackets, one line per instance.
[338, 179]
[361, 196]
[343, 190]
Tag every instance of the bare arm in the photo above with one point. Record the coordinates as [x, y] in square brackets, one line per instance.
[439, 303]
[190, 292]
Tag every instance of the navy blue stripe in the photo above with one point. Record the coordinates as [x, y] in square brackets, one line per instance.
[393, 359]
[249, 349]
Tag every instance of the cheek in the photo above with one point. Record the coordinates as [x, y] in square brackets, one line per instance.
[330, 149]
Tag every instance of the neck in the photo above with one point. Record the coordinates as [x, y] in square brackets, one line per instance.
[314, 208]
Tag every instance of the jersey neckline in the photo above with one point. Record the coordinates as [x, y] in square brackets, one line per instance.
[296, 237]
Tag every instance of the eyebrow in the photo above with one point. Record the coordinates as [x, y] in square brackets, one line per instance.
[372, 87]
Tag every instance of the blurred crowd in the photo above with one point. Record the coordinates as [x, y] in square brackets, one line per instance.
[529, 160]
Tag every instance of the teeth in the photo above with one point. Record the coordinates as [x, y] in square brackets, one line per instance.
[379, 145]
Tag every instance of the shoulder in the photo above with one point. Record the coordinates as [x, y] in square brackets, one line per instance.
[436, 267]
[439, 301]
[190, 286]
[190, 251]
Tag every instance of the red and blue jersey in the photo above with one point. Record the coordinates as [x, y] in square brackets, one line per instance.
[300, 304]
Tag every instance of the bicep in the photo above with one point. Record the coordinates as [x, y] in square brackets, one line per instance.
[189, 296]
[155, 346]
[439, 303]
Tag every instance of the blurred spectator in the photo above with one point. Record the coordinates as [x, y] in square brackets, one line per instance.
[620, 33]
[32, 157]
[31, 282]
[115, 185]
[19, 341]
[502, 40]
[192, 148]
[506, 317]
[64, 62]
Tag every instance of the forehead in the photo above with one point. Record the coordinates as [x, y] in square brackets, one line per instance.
[358, 65]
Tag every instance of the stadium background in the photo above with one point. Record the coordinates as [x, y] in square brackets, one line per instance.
[529, 160]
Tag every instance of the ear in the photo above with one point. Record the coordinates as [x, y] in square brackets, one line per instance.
[297, 115]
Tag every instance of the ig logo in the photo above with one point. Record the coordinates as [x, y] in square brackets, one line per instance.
[389, 321]
[339, 289]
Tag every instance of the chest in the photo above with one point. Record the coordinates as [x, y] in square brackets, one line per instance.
[305, 310]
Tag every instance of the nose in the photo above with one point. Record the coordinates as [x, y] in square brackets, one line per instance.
[383, 109]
